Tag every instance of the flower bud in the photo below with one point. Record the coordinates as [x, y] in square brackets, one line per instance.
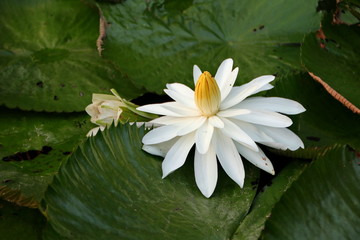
[207, 94]
[104, 110]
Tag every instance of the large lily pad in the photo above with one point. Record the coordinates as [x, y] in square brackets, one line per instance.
[21, 186]
[323, 203]
[33, 145]
[157, 42]
[49, 59]
[111, 189]
[333, 58]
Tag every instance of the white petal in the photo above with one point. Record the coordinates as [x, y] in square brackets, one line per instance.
[228, 85]
[232, 112]
[223, 72]
[259, 158]
[181, 110]
[181, 88]
[93, 132]
[182, 94]
[177, 154]
[160, 134]
[116, 120]
[92, 109]
[157, 109]
[160, 149]
[229, 158]
[236, 133]
[206, 174]
[244, 86]
[283, 136]
[180, 98]
[203, 137]
[238, 94]
[254, 133]
[196, 73]
[266, 118]
[264, 88]
[184, 125]
[275, 104]
[216, 121]
[154, 150]
[191, 124]
[275, 145]
[167, 120]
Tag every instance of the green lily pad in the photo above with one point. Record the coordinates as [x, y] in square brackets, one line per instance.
[158, 42]
[111, 189]
[324, 123]
[49, 59]
[254, 223]
[23, 131]
[323, 203]
[21, 187]
[33, 145]
[18, 223]
[334, 60]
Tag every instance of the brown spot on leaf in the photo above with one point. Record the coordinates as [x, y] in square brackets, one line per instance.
[261, 27]
[8, 181]
[29, 155]
[40, 84]
[255, 183]
[312, 138]
[269, 183]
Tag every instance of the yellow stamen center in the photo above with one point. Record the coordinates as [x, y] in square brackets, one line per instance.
[207, 94]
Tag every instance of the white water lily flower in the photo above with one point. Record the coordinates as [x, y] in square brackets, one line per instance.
[223, 123]
[104, 110]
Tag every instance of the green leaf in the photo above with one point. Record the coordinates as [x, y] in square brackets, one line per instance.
[33, 145]
[22, 131]
[323, 203]
[48, 56]
[111, 189]
[324, 123]
[21, 187]
[335, 60]
[254, 222]
[349, 11]
[158, 42]
[18, 223]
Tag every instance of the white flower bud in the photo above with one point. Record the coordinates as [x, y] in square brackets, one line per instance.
[104, 110]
